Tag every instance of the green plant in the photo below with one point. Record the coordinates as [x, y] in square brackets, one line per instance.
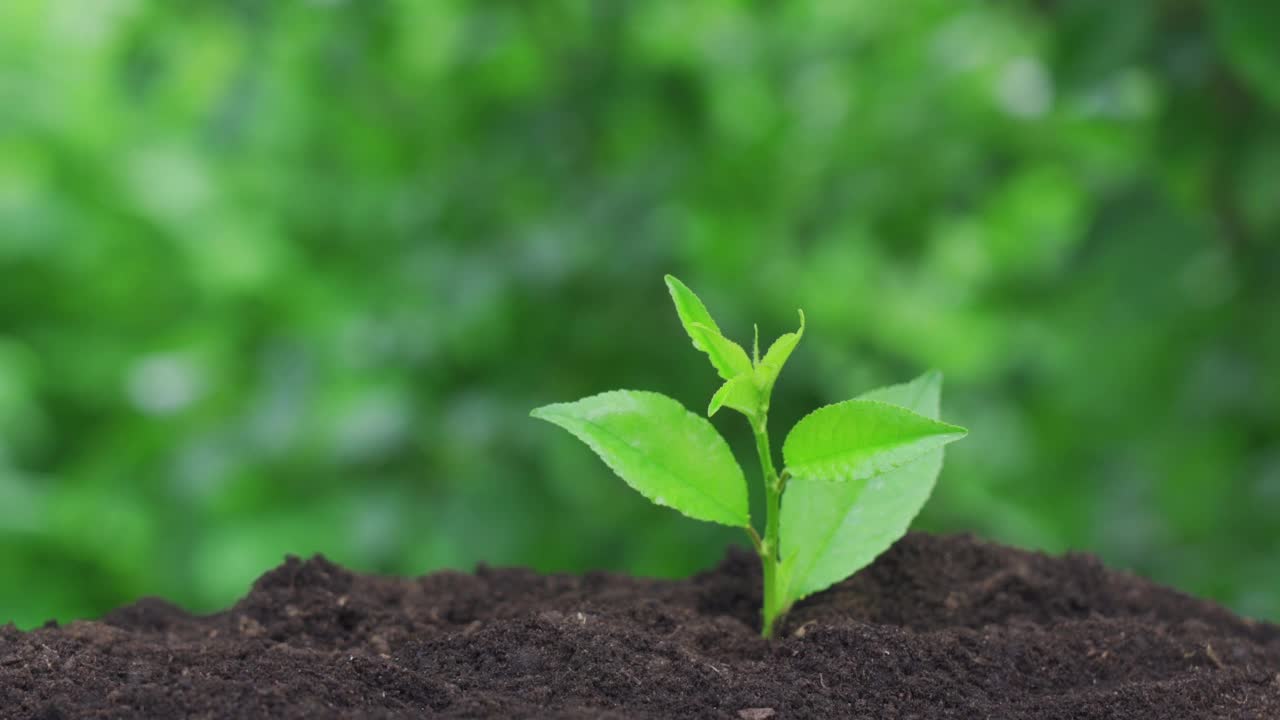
[855, 472]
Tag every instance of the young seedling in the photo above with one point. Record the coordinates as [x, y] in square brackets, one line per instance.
[855, 473]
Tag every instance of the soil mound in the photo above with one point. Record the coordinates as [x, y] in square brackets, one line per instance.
[938, 627]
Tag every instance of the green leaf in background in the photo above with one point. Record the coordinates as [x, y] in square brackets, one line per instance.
[728, 357]
[832, 530]
[740, 393]
[668, 454]
[1246, 30]
[767, 369]
[320, 340]
[859, 439]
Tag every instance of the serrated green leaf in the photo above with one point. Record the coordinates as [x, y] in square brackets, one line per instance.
[722, 347]
[740, 393]
[767, 370]
[728, 357]
[832, 530]
[666, 453]
[859, 439]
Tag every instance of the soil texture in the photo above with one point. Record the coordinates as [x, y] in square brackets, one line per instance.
[938, 627]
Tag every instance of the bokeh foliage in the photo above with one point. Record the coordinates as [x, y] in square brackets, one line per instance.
[287, 277]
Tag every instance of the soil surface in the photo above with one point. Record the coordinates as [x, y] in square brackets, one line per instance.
[938, 627]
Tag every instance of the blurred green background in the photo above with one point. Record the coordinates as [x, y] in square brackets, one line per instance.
[288, 277]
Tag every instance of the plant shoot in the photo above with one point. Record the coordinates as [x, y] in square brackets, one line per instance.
[853, 476]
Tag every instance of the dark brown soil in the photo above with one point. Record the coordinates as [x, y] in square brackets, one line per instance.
[939, 627]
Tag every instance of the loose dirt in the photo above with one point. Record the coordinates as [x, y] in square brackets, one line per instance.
[938, 627]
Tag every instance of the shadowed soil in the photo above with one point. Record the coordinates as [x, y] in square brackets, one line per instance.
[938, 627]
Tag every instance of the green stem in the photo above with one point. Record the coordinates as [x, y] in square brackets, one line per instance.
[769, 547]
